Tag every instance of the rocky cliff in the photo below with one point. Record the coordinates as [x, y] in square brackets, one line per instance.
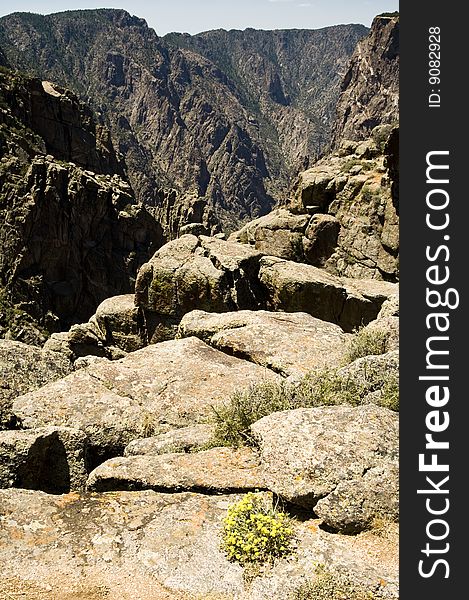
[71, 230]
[343, 213]
[289, 79]
[134, 462]
[225, 424]
[370, 90]
[225, 116]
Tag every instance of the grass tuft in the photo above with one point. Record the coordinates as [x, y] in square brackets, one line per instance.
[331, 586]
[366, 342]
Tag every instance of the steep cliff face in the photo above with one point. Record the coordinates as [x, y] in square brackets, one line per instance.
[289, 79]
[224, 116]
[370, 90]
[70, 236]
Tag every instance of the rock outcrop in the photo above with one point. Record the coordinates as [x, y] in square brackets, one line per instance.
[70, 237]
[161, 387]
[355, 187]
[51, 459]
[204, 273]
[113, 435]
[370, 90]
[150, 545]
[343, 213]
[291, 344]
[299, 287]
[218, 470]
[183, 439]
[117, 327]
[308, 454]
[301, 238]
[218, 276]
[355, 505]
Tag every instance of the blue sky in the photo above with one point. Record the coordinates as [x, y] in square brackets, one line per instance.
[194, 16]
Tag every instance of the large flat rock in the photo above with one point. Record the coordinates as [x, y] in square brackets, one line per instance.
[211, 471]
[288, 343]
[148, 545]
[184, 439]
[161, 387]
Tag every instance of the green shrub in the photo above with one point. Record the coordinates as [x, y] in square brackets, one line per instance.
[331, 586]
[254, 532]
[366, 342]
[327, 388]
[390, 392]
[245, 407]
[320, 388]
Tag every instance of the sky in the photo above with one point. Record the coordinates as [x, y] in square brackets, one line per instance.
[193, 16]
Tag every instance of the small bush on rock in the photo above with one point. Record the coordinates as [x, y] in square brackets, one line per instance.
[254, 532]
[390, 393]
[366, 343]
[331, 586]
[327, 388]
[319, 388]
[233, 421]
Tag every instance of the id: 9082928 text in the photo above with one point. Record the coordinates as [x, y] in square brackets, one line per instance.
[434, 66]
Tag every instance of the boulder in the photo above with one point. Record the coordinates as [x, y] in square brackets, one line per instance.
[218, 470]
[279, 233]
[316, 188]
[199, 272]
[356, 186]
[121, 546]
[185, 439]
[320, 239]
[287, 343]
[51, 459]
[295, 287]
[194, 229]
[277, 219]
[354, 505]
[297, 237]
[372, 289]
[306, 453]
[148, 545]
[24, 368]
[82, 339]
[117, 327]
[153, 390]
[121, 323]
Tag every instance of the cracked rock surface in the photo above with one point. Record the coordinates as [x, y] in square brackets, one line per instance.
[155, 389]
[310, 453]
